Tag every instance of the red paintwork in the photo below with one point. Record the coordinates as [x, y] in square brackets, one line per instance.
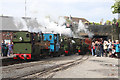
[46, 47]
[79, 50]
[21, 56]
[66, 52]
[88, 41]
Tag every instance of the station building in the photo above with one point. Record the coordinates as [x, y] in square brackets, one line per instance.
[100, 31]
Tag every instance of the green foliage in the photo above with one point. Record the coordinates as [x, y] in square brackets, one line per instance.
[114, 20]
[116, 7]
[91, 23]
[108, 22]
[117, 0]
[97, 24]
[118, 21]
[101, 21]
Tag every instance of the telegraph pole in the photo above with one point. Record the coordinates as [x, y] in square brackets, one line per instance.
[25, 9]
[26, 14]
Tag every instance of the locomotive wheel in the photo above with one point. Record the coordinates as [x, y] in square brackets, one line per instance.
[58, 55]
[66, 54]
[81, 53]
[55, 55]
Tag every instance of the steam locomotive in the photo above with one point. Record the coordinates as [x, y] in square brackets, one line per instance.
[66, 45]
[31, 45]
[28, 45]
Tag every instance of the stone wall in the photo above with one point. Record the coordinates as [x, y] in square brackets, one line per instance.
[106, 30]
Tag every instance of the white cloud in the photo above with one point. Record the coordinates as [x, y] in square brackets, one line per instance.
[61, 1]
[11, 1]
[81, 8]
[77, 1]
[89, 11]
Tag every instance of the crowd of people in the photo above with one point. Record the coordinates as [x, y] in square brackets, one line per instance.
[105, 48]
[6, 49]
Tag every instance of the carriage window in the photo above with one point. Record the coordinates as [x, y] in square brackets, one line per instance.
[50, 37]
[55, 37]
[14, 36]
[27, 35]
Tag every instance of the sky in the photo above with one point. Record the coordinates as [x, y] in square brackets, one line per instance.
[92, 10]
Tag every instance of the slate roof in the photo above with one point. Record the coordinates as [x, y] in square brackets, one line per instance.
[15, 23]
[76, 19]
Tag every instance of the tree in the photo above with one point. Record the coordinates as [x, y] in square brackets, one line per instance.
[116, 7]
[108, 22]
[101, 22]
[118, 22]
[114, 20]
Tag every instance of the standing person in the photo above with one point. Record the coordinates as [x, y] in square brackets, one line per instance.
[93, 48]
[113, 50]
[0, 51]
[97, 48]
[101, 49]
[101, 40]
[10, 49]
[113, 53]
[3, 48]
[109, 47]
[6, 50]
[117, 48]
[105, 48]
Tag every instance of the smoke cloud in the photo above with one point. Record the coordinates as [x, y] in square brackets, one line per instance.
[48, 25]
[48, 21]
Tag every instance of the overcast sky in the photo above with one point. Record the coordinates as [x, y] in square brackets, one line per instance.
[92, 10]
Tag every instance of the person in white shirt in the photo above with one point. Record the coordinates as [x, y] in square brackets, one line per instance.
[109, 47]
[105, 48]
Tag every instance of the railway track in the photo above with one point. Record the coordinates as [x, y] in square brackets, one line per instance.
[50, 72]
[11, 64]
[11, 61]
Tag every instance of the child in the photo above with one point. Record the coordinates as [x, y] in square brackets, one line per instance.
[10, 50]
[113, 52]
[117, 48]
